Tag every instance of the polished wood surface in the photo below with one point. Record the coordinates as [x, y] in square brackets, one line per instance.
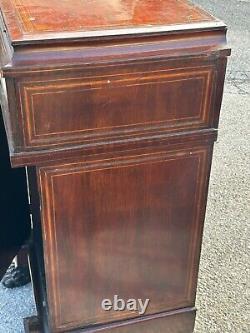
[113, 211]
[121, 102]
[31, 19]
[110, 106]
[114, 108]
[104, 83]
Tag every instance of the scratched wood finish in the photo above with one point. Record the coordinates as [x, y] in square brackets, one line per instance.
[28, 18]
[114, 108]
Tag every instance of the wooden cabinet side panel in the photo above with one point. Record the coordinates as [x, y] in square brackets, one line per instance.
[128, 226]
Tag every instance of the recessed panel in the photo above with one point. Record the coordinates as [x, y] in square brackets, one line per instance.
[74, 111]
[125, 226]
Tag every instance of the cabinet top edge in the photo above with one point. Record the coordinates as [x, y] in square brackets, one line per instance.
[119, 33]
[35, 22]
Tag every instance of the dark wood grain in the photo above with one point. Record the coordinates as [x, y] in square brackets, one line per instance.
[114, 108]
[111, 105]
[133, 226]
[123, 102]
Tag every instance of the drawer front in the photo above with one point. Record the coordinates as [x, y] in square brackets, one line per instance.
[126, 225]
[118, 103]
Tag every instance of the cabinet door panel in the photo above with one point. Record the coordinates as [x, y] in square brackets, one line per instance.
[128, 226]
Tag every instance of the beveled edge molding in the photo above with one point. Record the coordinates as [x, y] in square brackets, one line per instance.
[84, 136]
[32, 324]
[204, 44]
[45, 157]
[121, 32]
[46, 177]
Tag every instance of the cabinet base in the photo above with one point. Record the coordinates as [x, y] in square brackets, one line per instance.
[32, 325]
[180, 321]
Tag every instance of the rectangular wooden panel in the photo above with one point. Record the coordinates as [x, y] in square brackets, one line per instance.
[127, 226]
[134, 100]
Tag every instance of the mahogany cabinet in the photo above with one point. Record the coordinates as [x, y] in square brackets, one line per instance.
[113, 107]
